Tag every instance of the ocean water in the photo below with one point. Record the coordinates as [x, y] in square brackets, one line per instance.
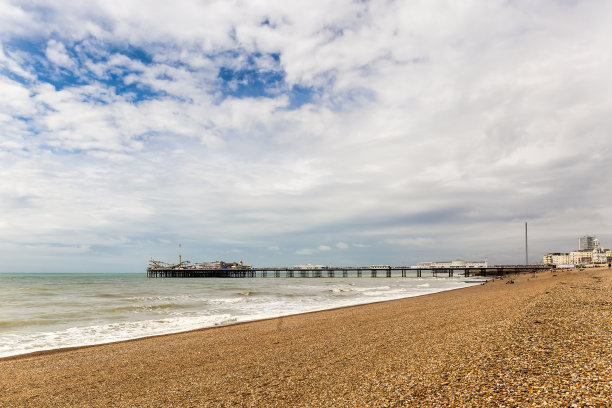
[49, 311]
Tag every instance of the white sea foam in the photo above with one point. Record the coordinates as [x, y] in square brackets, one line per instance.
[86, 310]
[12, 344]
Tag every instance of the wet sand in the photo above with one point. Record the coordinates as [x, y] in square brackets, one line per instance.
[544, 340]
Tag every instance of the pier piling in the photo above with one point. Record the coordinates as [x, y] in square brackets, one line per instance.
[330, 272]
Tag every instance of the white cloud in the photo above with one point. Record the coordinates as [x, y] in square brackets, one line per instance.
[12, 18]
[311, 251]
[57, 54]
[8, 62]
[412, 242]
[15, 99]
[425, 122]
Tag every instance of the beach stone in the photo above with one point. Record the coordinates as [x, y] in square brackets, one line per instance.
[541, 342]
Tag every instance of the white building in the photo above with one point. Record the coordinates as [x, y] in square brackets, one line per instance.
[457, 263]
[309, 267]
[600, 255]
[557, 258]
[589, 253]
[581, 257]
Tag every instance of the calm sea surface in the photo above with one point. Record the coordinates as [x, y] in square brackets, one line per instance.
[48, 311]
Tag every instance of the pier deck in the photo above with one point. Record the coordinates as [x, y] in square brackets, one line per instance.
[337, 271]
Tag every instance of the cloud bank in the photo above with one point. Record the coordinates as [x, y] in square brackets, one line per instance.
[375, 132]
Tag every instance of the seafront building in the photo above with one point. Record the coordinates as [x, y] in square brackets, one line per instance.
[586, 243]
[589, 253]
[581, 257]
[557, 258]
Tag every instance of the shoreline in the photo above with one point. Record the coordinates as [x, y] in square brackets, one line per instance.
[540, 339]
[230, 323]
[153, 336]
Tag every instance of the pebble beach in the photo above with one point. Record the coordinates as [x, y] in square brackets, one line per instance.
[530, 340]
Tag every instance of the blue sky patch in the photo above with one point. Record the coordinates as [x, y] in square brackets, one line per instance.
[83, 54]
[299, 96]
[251, 81]
[133, 53]
[241, 75]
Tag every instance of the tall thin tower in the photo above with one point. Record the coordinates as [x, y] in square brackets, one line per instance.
[526, 248]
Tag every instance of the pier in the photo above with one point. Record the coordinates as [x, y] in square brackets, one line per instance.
[337, 271]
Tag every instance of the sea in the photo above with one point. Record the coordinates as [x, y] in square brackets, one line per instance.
[56, 310]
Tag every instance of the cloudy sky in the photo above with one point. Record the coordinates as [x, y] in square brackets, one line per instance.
[282, 133]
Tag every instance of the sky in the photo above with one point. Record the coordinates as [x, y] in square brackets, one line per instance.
[282, 133]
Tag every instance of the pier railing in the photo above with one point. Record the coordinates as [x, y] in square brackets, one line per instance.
[337, 271]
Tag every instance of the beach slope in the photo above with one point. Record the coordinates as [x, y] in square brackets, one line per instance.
[544, 340]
